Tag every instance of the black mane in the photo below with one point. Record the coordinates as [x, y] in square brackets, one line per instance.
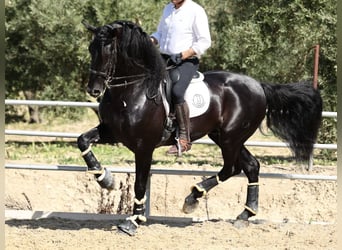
[136, 49]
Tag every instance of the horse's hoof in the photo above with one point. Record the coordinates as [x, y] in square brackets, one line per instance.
[107, 181]
[245, 215]
[128, 227]
[241, 223]
[190, 204]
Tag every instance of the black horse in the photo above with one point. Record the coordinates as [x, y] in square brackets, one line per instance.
[128, 71]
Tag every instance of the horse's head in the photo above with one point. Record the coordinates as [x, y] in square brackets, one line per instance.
[121, 53]
[103, 51]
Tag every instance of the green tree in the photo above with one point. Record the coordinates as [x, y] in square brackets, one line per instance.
[46, 51]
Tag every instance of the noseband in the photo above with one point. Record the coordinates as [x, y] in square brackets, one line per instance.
[108, 75]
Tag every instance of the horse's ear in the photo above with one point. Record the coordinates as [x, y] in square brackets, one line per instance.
[114, 26]
[138, 22]
[117, 26]
[88, 26]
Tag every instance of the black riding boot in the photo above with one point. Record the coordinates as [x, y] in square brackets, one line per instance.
[183, 119]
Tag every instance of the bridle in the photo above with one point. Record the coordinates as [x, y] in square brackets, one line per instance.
[109, 72]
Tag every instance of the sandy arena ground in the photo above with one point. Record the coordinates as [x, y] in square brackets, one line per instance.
[293, 214]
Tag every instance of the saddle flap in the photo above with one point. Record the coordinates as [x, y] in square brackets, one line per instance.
[197, 95]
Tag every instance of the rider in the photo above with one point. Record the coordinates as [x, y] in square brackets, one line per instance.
[183, 36]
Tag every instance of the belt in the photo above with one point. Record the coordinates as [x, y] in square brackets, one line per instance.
[168, 56]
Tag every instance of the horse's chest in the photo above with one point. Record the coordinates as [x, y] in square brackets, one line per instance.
[121, 116]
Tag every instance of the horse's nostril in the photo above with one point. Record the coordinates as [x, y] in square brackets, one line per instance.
[96, 92]
[93, 92]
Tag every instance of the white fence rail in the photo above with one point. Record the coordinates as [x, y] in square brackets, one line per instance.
[168, 172]
[200, 141]
[95, 105]
[91, 105]
[51, 103]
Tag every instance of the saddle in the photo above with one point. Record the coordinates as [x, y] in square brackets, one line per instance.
[197, 97]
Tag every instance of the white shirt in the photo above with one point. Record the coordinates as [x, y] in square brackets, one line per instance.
[183, 28]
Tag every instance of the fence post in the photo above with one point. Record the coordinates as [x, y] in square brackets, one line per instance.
[315, 79]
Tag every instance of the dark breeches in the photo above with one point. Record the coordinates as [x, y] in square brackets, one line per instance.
[186, 70]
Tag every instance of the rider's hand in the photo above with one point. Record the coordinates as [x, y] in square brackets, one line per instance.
[176, 58]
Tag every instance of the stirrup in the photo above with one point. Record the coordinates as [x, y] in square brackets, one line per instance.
[180, 147]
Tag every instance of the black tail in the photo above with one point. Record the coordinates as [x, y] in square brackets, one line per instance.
[294, 113]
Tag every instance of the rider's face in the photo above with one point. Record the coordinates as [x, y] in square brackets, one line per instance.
[177, 3]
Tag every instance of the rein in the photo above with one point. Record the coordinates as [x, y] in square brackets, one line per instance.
[125, 83]
[109, 79]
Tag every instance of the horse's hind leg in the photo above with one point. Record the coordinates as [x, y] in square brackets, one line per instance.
[200, 189]
[84, 141]
[246, 162]
[197, 191]
[250, 167]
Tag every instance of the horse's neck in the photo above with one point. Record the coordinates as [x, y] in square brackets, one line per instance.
[128, 68]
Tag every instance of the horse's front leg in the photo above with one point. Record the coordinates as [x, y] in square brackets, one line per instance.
[143, 165]
[102, 175]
